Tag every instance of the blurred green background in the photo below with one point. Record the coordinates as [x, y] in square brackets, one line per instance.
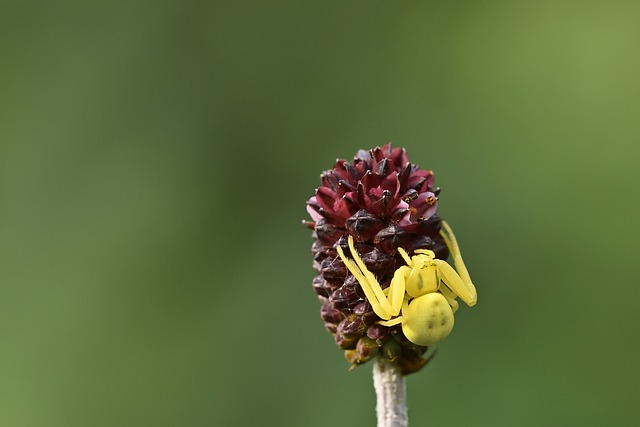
[155, 160]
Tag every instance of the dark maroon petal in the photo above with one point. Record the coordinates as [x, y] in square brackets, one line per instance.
[392, 184]
[319, 287]
[383, 167]
[379, 263]
[398, 215]
[343, 243]
[371, 180]
[378, 153]
[345, 207]
[378, 332]
[391, 238]
[326, 198]
[366, 349]
[428, 184]
[344, 187]
[362, 168]
[332, 218]
[418, 241]
[352, 172]
[362, 248]
[327, 233]
[346, 297]
[364, 310]
[333, 269]
[329, 180]
[361, 198]
[351, 201]
[380, 207]
[352, 325]
[404, 176]
[380, 201]
[340, 171]
[440, 249]
[417, 182]
[331, 327]
[330, 314]
[318, 250]
[364, 225]
[375, 194]
[435, 224]
[398, 156]
[422, 227]
[420, 180]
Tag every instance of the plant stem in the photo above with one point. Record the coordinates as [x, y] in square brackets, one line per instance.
[391, 394]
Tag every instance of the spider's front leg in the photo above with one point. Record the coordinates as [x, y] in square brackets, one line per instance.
[450, 296]
[385, 307]
[454, 282]
[396, 291]
[458, 281]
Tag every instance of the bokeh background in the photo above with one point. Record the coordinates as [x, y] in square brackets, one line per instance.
[155, 160]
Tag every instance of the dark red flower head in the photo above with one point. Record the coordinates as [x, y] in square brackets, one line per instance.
[384, 202]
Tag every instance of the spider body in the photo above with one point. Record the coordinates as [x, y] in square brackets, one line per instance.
[422, 294]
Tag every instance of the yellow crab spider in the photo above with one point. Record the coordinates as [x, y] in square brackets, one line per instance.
[427, 307]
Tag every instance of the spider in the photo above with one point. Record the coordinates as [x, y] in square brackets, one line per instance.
[424, 291]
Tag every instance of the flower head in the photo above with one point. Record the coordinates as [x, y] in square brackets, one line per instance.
[377, 203]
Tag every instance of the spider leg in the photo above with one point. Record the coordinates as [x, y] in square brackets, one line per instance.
[399, 319]
[364, 284]
[397, 288]
[450, 297]
[452, 244]
[372, 289]
[392, 322]
[371, 281]
[453, 281]
[405, 256]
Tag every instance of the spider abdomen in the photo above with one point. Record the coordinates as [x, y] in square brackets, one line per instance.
[428, 319]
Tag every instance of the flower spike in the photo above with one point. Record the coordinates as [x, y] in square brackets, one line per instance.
[380, 252]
